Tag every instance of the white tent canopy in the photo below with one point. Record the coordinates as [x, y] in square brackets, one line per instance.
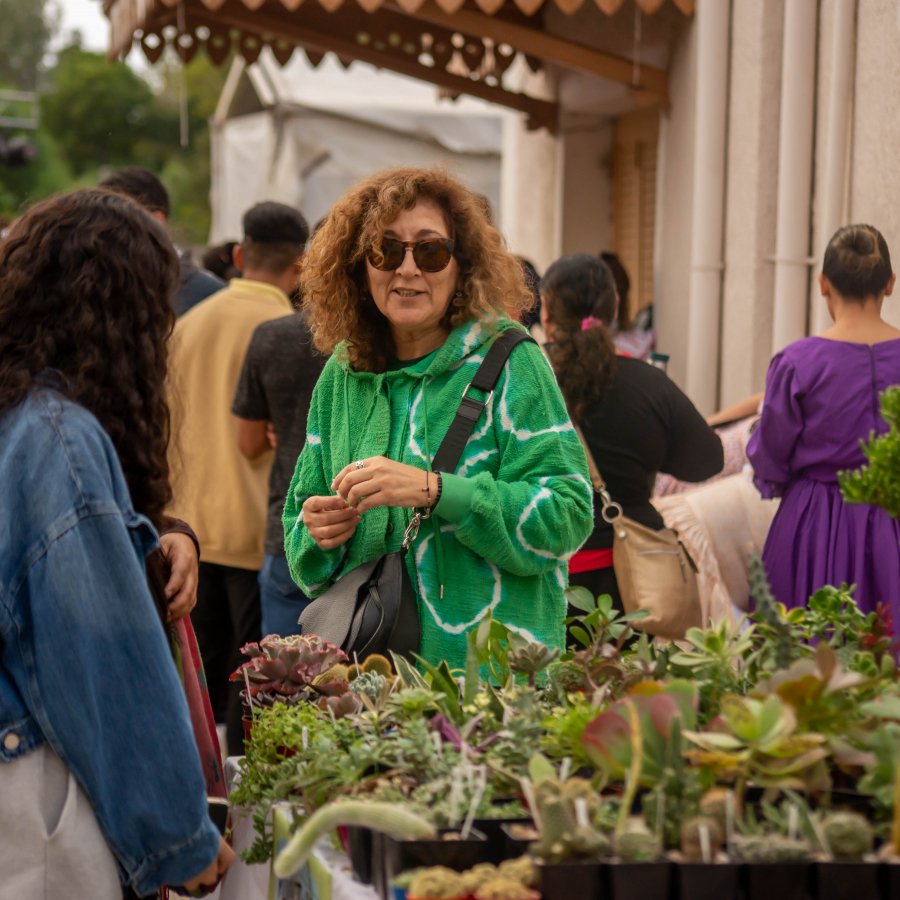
[303, 135]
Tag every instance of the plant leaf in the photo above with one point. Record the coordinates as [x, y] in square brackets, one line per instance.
[581, 598]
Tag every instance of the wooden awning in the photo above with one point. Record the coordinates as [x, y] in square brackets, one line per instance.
[463, 46]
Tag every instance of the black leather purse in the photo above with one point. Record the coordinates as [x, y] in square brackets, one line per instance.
[373, 608]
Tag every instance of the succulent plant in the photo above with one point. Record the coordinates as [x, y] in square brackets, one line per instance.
[692, 838]
[504, 889]
[370, 684]
[475, 877]
[637, 844]
[375, 663]
[338, 672]
[714, 803]
[751, 848]
[347, 704]
[849, 835]
[391, 818]
[287, 669]
[561, 837]
[522, 869]
[531, 659]
[437, 883]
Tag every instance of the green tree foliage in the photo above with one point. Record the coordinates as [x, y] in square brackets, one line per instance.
[878, 483]
[26, 29]
[103, 113]
[97, 115]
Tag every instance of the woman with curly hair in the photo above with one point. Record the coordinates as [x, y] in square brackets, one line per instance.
[635, 420]
[406, 285]
[100, 780]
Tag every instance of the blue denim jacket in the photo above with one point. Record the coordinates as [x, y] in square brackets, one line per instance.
[84, 662]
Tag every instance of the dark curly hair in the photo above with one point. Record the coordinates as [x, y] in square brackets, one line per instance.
[576, 288]
[85, 280]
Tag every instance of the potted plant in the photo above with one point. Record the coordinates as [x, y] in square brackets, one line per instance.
[288, 670]
[569, 847]
[703, 871]
[775, 865]
[850, 839]
[437, 883]
[638, 871]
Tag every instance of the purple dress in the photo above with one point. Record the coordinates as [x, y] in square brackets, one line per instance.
[821, 400]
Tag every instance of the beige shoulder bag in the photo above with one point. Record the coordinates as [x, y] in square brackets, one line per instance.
[653, 570]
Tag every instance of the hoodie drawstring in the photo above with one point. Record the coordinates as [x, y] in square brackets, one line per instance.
[435, 525]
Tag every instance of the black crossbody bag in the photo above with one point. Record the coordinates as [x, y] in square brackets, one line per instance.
[373, 609]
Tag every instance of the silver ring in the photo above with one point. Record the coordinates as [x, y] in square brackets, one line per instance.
[359, 464]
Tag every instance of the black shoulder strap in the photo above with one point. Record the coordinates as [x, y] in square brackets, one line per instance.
[469, 411]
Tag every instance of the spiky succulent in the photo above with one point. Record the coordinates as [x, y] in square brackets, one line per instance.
[437, 883]
[562, 837]
[522, 869]
[849, 835]
[769, 848]
[637, 845]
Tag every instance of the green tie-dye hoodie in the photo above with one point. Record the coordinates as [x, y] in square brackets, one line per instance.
[518, 507]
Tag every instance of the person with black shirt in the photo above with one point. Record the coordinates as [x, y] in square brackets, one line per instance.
[272, 404]
[635, 420]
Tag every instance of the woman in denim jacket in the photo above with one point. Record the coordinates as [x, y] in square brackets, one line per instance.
[100, 781]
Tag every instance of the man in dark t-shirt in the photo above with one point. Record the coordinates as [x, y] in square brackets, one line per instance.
[272, 404]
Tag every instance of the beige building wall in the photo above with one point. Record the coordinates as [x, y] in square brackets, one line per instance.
[587, 188]
[675, 184]
[530, 204]
[875, 158]
[751, 197]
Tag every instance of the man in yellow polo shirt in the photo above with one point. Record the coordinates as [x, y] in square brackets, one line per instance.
[218, 490]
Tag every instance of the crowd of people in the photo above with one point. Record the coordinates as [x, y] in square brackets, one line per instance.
[188, 462]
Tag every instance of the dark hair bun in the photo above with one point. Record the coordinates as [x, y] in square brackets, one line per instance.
[857, 262]
[861, 243]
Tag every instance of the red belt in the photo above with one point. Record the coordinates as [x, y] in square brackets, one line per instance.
[589, 560]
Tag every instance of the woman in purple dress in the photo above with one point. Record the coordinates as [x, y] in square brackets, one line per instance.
[821, 400]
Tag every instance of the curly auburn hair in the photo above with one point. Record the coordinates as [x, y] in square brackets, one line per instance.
[333, 282]
[85, 281]
[575, 288]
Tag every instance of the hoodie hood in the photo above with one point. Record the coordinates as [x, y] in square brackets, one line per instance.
[464, 345]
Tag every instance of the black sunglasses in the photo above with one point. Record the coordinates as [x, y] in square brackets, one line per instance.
[431, 255]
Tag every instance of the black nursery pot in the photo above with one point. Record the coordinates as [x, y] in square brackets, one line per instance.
[514, 846]
[572, 880]
[777, 881]
[492, 829]
[454, 854]
[639, 880]
[889, 880]
[708, 881]
[846, 880]
[359, 849]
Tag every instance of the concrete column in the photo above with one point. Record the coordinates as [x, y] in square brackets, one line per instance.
[836, 135]
[708, 203]
[750, 202]
[529, 192]
[795, 136]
